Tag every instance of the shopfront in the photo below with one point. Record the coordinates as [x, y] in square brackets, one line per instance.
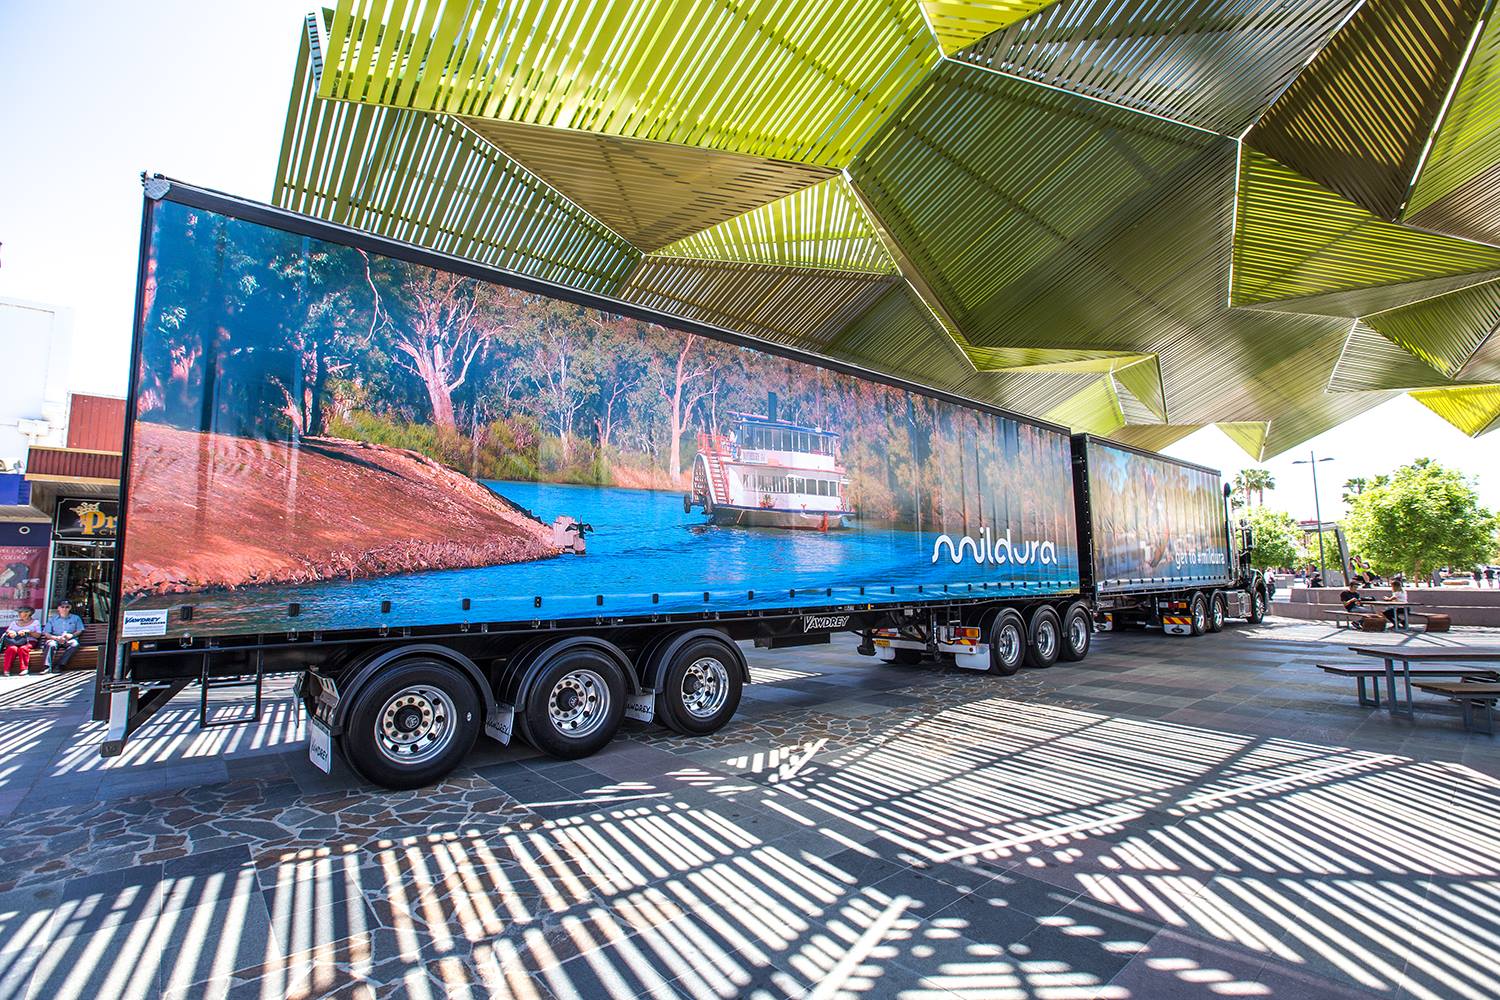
[83, 555]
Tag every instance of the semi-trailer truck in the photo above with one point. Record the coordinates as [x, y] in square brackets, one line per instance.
[453, 500]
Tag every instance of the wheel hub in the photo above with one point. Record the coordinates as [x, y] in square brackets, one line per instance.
[416, 724]
[579, 703]
[1046, 639]
[705, 687]
[1080, 633]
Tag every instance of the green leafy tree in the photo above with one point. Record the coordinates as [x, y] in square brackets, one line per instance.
[1354, 487]
[1421, 517]
[1276, 534]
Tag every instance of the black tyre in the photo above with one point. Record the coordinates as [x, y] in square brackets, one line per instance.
[1077, 633]
[1198, 613]
[1007, 638]
[700, 686]
[906, 657]
[1043, 638]
[687, 503]
[1257, 607]
[575, 703]
[1218, 610]
[412, 724]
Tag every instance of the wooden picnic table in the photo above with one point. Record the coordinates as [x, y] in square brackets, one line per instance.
[1401, 612]
[1406, 656]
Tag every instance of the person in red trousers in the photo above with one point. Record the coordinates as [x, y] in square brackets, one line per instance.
[21, 637]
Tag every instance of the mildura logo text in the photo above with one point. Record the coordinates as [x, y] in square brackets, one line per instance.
[810, 622]
[996, 551]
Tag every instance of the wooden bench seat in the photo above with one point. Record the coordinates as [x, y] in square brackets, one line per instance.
[90, 641]
[1470, 695]
[1361, 674]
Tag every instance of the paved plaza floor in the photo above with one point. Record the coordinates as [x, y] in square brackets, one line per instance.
[1170, 818]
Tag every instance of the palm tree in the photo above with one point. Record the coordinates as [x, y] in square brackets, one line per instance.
[1354, 487]
[1254, 481]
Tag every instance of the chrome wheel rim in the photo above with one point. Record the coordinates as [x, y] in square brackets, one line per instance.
[1218, 613]
[1046, 640]
[1010, 644]
[578, 703]
[1200, 616]
[705, 687]
[1078, 633]
[415, 724]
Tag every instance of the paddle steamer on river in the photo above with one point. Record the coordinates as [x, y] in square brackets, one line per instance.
[770, 473]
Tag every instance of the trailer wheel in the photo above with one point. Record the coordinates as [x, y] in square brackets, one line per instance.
[1007, 643]
[1078, 633]
[1044, 638]
[575, 704]
[1198, 613]
[687, 503]
[1217, 611]
[412, 724]
[700, 687]
[1257, 607]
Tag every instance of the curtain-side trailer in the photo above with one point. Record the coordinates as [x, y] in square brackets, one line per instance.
[1157, 544]
[454, 501]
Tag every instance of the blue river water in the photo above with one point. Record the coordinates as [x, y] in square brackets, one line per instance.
[644, 556]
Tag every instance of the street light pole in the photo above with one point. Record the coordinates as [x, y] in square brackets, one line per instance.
[1313, 460]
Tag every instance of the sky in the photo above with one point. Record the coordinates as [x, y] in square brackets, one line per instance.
[97, 92]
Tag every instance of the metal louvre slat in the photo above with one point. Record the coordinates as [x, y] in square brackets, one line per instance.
[427, 180]
[1357, 119]
[1445, 331]
[1458, 190]
[651, 193]
[1295, 238]
[819, 226]
[779, 79]
[1214, 64]
[800, 307]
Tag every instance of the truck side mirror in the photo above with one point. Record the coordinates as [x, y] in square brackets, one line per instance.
[1247, 536]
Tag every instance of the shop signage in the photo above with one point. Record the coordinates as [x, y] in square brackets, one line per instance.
[78, 518]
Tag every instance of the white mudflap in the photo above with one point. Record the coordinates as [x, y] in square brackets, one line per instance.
[500, 725]
[641, 707]
[319, 745]
[972, 658]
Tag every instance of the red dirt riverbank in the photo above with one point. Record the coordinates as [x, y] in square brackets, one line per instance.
[211, 511]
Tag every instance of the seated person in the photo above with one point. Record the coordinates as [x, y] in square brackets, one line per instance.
[1398, 596]
[20, 638]
[60, 637]
[1350, 598]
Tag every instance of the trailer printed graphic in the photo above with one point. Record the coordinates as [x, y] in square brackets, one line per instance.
[382, 442]
[454, 501]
